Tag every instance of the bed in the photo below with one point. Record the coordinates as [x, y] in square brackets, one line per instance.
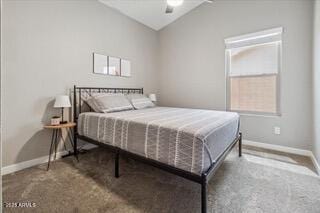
[191, 143]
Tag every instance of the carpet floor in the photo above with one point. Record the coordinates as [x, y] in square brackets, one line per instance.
[259, 181]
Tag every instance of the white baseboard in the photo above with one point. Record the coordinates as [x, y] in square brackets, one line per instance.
[88, 146]
[26, 164]
[315, 163]
[278, 148]
[286, 149]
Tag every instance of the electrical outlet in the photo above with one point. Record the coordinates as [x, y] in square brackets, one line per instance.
[277, 130]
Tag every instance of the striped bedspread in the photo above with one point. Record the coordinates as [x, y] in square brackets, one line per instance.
[189, 139]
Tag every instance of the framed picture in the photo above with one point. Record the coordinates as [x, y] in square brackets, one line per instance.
[100, 64]
[125, 68]
[114, 66]
[110, 65]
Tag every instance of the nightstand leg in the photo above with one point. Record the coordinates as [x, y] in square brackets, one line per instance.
[65, 148]
[116, 165]
[69, 131]
[51, 146]
[56, 143]
[70, 137]
[63, 141]
[75, 146]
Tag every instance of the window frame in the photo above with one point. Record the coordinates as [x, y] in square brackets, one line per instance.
[278, 83]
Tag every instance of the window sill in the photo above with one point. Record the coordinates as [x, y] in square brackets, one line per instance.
[260, 115]
[257, 114]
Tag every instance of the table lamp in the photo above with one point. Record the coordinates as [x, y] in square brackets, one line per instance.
[153, 97]
[62, 101]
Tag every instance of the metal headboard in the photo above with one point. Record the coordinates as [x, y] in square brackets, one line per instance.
[80, 92]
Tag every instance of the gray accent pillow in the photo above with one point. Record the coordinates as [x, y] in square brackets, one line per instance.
[140, 101]
[90, 100]
[108, 102]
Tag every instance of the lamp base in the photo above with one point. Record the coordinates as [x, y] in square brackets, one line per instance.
[63, 122]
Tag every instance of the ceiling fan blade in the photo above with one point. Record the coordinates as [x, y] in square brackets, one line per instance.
[169, 9]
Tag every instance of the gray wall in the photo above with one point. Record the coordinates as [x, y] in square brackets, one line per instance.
[316, 81]
[193, 63]
[47, 48]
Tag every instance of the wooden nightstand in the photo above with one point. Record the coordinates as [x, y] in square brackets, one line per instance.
[57, 135]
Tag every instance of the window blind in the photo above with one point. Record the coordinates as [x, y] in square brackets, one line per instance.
[254, 60]
[262, 37]
[253, 63]
[254, 94]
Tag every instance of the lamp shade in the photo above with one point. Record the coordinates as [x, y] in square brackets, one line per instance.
[174, 3]
[62, 101]
[153, 97]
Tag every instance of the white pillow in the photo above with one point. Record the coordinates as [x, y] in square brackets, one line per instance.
[90, 100]
[109, 102]
[140, 101]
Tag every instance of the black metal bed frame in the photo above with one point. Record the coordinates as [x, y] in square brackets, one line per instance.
[202, 179]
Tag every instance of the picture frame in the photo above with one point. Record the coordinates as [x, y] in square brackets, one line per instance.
[125, 68]
[100, 64]
[114, 66]
[111, 65]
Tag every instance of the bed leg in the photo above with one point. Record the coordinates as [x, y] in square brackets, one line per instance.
[116, 165]
[240, 144]
[75, 146]
[204, 197]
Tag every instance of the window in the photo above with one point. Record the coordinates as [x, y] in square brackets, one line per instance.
[253, 66]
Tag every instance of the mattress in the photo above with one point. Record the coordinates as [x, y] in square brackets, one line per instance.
[189, 139]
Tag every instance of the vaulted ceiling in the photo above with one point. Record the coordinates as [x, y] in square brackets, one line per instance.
[151, 12]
